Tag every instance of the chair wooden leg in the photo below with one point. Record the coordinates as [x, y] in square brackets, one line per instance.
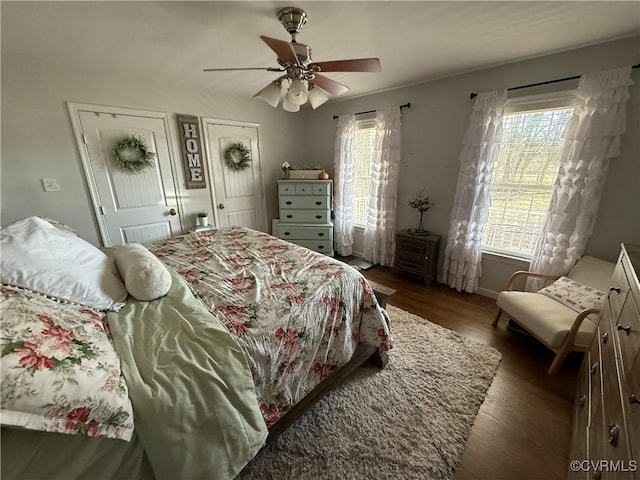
[497, 319]
[557, 362]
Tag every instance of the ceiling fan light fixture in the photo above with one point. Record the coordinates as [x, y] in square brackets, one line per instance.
[288, 106]
[271, 94]
[317, 96]
[297, 93]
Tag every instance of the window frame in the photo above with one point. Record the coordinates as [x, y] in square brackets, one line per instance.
[522, 105]
[366, 123]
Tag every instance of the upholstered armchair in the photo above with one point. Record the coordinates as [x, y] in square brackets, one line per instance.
[563, 315]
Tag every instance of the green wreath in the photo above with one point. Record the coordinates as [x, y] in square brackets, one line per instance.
[132, 154]
[237, 157]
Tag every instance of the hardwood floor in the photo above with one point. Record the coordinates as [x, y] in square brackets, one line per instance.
[523, 428]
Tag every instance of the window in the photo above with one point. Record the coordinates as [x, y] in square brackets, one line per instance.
[523, 175]
[365, 135]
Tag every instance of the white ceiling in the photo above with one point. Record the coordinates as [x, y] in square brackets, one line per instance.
[416, 41]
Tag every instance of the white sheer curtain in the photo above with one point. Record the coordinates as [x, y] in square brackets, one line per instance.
[462, 267]
[380, 227]
[591, 140]
[344, 184]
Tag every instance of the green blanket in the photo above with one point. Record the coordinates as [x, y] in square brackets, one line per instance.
[194, 402]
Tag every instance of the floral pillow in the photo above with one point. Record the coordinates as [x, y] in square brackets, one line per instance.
[574, 295]
[60, 371]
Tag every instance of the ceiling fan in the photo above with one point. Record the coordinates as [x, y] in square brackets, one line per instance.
[302, 80]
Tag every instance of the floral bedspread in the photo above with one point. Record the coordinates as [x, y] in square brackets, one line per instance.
[60, 371]
[296, 314]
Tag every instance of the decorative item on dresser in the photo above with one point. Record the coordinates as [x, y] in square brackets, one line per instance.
[417, 254]
[606, 420]
[305, 214]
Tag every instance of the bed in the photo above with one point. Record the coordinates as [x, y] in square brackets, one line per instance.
[250, 332]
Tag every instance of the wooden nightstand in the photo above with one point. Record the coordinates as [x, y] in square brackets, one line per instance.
[417, 254]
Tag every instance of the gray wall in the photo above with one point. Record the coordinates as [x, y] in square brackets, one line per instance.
[37, 139]
[433, 128]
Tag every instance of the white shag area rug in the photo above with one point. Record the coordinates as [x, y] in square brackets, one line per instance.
[410, 420]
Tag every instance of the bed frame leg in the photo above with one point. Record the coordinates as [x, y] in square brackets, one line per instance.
[379, 358]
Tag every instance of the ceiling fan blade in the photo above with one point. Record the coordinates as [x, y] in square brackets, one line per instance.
[268, 69]
[353, 65]
[284, 50]
[328, 85]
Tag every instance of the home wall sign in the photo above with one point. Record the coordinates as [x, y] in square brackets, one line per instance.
[192, 155]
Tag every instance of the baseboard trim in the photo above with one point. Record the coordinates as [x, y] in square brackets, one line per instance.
[485, 292]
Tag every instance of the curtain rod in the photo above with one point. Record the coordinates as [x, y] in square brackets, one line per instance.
[406, 105]
[474, 95]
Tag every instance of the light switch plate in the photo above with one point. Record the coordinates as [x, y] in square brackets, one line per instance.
[50, 184]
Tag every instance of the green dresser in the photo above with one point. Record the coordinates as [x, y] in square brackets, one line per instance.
[305, 214]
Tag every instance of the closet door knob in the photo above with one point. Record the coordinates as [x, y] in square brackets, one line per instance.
[615, 289]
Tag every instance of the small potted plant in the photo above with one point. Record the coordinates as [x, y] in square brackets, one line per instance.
[202, 218]
[421, 203]
[286, 167]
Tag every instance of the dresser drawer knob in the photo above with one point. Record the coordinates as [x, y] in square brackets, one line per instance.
[288, 202]
[626, 328]
[582, 399]
[289, 216]
[321, 234]
[614, 433]
[287, 233]
[634, 399]
[594, 368]
[604, 337]
[615, 289]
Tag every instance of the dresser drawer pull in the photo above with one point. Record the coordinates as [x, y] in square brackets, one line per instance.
[288, 202]
[582, 399]
[318, 202]
[626, 328]
[614, 432]
[289, 216]
[321, 234]
[320, 247]
[615, 289]
[318, 216]
[634, 399]
[594, 368]
[604, 337]
[287, 233]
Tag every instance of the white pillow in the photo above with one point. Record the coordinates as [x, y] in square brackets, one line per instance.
[40, 257]
[145, 277]
[574, 295]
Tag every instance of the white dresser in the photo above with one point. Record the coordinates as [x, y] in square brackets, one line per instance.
[606, 419]
[305, 214]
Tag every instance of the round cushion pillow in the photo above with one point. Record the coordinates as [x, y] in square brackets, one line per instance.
[145, 277]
